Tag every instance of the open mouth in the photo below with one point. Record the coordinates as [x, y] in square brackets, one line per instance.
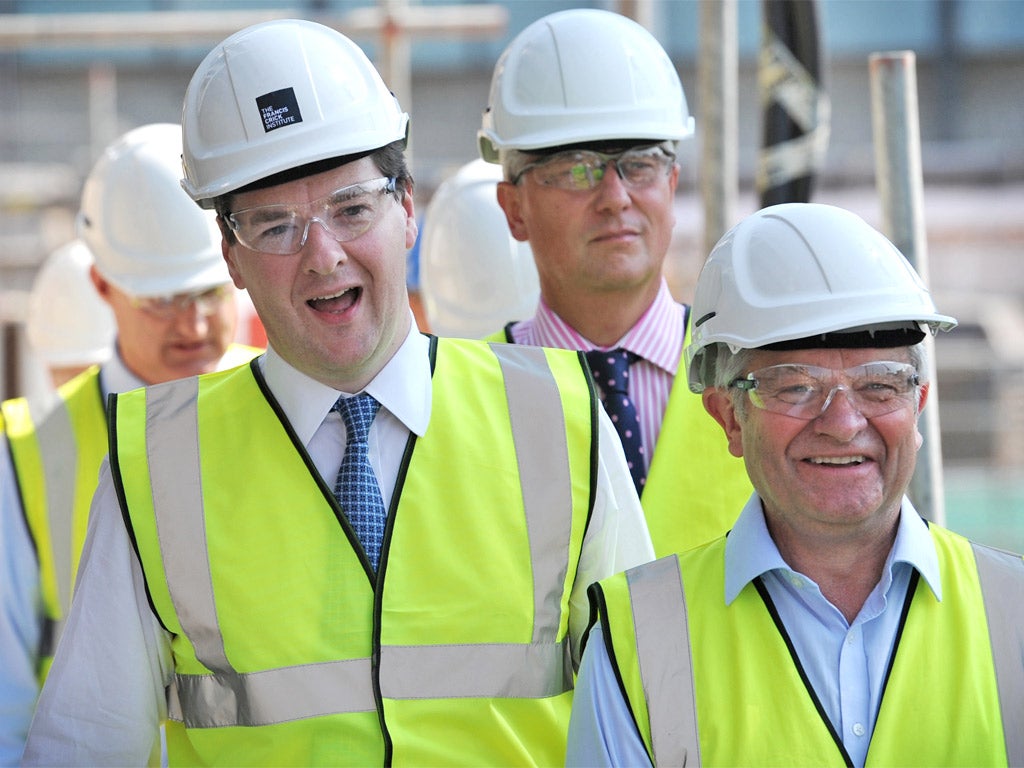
[338, 302]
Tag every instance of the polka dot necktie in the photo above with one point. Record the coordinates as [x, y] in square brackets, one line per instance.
[356, 487]
[611, 374]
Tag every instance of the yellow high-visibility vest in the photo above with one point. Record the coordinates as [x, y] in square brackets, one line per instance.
[717, 684]
[695, 488]
[288, 648]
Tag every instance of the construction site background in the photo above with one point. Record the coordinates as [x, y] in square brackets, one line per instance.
[66, 99]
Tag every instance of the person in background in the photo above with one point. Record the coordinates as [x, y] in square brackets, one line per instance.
[833, 625]
[474, 274]
[371, 546]
[585, 116]
[158, 267]
[68, 326]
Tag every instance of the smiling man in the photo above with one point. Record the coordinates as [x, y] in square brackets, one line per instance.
[371, 546]
[833, 625]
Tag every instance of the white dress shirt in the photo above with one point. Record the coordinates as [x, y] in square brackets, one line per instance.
[105, 694]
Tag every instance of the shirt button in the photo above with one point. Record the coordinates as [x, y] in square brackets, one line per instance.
[858, 729]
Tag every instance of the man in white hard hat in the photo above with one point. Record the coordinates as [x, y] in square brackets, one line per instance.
[834, 625]
[474, 274]
[585, 115]
[158, 266]
[68, 325]
[372, 546]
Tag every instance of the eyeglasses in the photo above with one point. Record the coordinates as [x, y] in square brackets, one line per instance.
[805, 391]
[580, 170]
[346, 214]
[207, 302]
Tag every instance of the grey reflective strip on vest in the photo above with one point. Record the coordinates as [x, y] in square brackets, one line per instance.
[1002, 577]
[172, 441]
[271, 696]
[545, 486]
[496, 670]
[535, 670]
[666, 667]
[58, 451]
[659, 614]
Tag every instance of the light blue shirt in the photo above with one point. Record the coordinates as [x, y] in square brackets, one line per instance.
[21, 602]
[845, 663]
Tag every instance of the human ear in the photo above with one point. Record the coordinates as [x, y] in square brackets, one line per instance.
[719, 404]
[511, 204]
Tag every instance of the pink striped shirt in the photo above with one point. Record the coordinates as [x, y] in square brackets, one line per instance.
[657, 339]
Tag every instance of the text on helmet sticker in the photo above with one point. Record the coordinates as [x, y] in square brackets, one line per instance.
[278, 109]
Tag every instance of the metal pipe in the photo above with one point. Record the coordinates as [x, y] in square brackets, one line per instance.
[718, 126]
[898, 179]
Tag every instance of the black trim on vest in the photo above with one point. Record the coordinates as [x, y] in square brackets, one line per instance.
[508, 331]
[47, 642]
[594, 433]
[915, 578]
[378, 597]
[122, 501]
[593, 595]
[598, 604]
[327, 492]
[21, 498]
[762, 590]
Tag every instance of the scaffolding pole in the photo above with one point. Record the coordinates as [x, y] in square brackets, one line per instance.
[718, 128]
[898, 179]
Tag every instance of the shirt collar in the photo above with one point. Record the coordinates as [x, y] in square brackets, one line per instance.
[116, 378]
[402, 386]
[657, 336]
[750, 550]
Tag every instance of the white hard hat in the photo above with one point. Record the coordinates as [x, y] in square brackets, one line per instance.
[578, 76]
[475, 277]
[276, 96]
[797, 271]
[147, 237]
[68, 323]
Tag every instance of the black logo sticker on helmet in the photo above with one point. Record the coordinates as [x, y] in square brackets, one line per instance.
[279, 109]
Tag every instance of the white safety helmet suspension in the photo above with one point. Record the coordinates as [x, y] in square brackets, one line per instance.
[582, 75]
[798, 271]
[276, 96]
[68, 323]
[146, 236]
[475, 277]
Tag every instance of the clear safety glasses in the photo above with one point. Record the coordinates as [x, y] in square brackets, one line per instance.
[805, 391]
[207, 302]
[580, 170]
[346, 214]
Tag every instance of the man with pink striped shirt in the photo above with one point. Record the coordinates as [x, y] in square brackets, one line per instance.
[585, 114]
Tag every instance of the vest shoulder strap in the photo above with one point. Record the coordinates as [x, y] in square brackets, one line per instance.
[663, 637]
[1002, 576]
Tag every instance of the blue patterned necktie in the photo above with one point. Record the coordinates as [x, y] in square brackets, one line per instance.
[356, 488]
[611, 374]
